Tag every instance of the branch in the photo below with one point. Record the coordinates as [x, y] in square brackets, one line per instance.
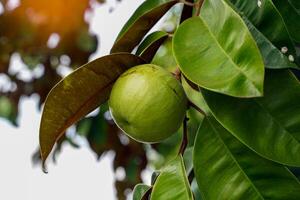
[198, 6]
[191, 104]
[184, 142]
[177, 74]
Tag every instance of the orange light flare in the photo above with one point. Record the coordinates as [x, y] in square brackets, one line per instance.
[44, 17]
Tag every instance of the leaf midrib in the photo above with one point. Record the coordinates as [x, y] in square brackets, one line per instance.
[235, 161]
[230, 59]
[273, 118]
[71, 120]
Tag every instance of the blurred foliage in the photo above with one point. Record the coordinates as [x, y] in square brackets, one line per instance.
[26, 33]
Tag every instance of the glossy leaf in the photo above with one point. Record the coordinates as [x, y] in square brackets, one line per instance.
[226, 169]
[78, 94]
[140, 23]
[148, 48]
[218, 53]
[273, 57]
[139, 191]
[291, 18]
[269, 125]
[172, 183]
[268, 21]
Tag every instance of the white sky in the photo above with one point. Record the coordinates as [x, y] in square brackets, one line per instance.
[77, 176]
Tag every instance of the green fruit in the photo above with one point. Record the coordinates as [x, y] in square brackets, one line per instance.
[148, 103]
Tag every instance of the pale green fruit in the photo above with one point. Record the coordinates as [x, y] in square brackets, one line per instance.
[148, 103]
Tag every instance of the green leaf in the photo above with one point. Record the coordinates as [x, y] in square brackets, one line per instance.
[140, 23]
[148, 48]
[295, 4]
[291, 17]
[273, 57]
[167, 150]
[188, 159]
[218, 53]
[195, 189]
[139, 191]
[269, 125]
[164, 56]
[268, 21]
[172, 183]
[226, 169]
[78, 94]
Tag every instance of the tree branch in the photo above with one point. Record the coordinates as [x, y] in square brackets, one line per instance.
[191, 104]
[184, 142]
[198, 6]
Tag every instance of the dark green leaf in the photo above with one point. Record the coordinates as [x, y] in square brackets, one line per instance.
[78, 94]
[139, 191]
[218, 53]
[140, 23]
[273, 57]
[268, 21]
[226, 169]
[154, 176]
[148, 48]
[172, 183]
[291, 17]
[295, 4]
[95, 129]
[269, 125]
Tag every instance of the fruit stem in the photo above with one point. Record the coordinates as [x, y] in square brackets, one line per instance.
[184, 142]
[177, 74]
[191, 104]
[198, 6]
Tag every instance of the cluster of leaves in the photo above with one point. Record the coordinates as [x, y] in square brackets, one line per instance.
[235, 59]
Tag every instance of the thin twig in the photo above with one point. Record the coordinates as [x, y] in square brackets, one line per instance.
[198, 6]
[184, 142]
[177, 74]
[191, 104]
[187, 2]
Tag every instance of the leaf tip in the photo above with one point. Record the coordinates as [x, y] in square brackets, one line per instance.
[44, 168]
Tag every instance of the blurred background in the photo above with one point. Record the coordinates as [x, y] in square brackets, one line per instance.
[40, 43]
